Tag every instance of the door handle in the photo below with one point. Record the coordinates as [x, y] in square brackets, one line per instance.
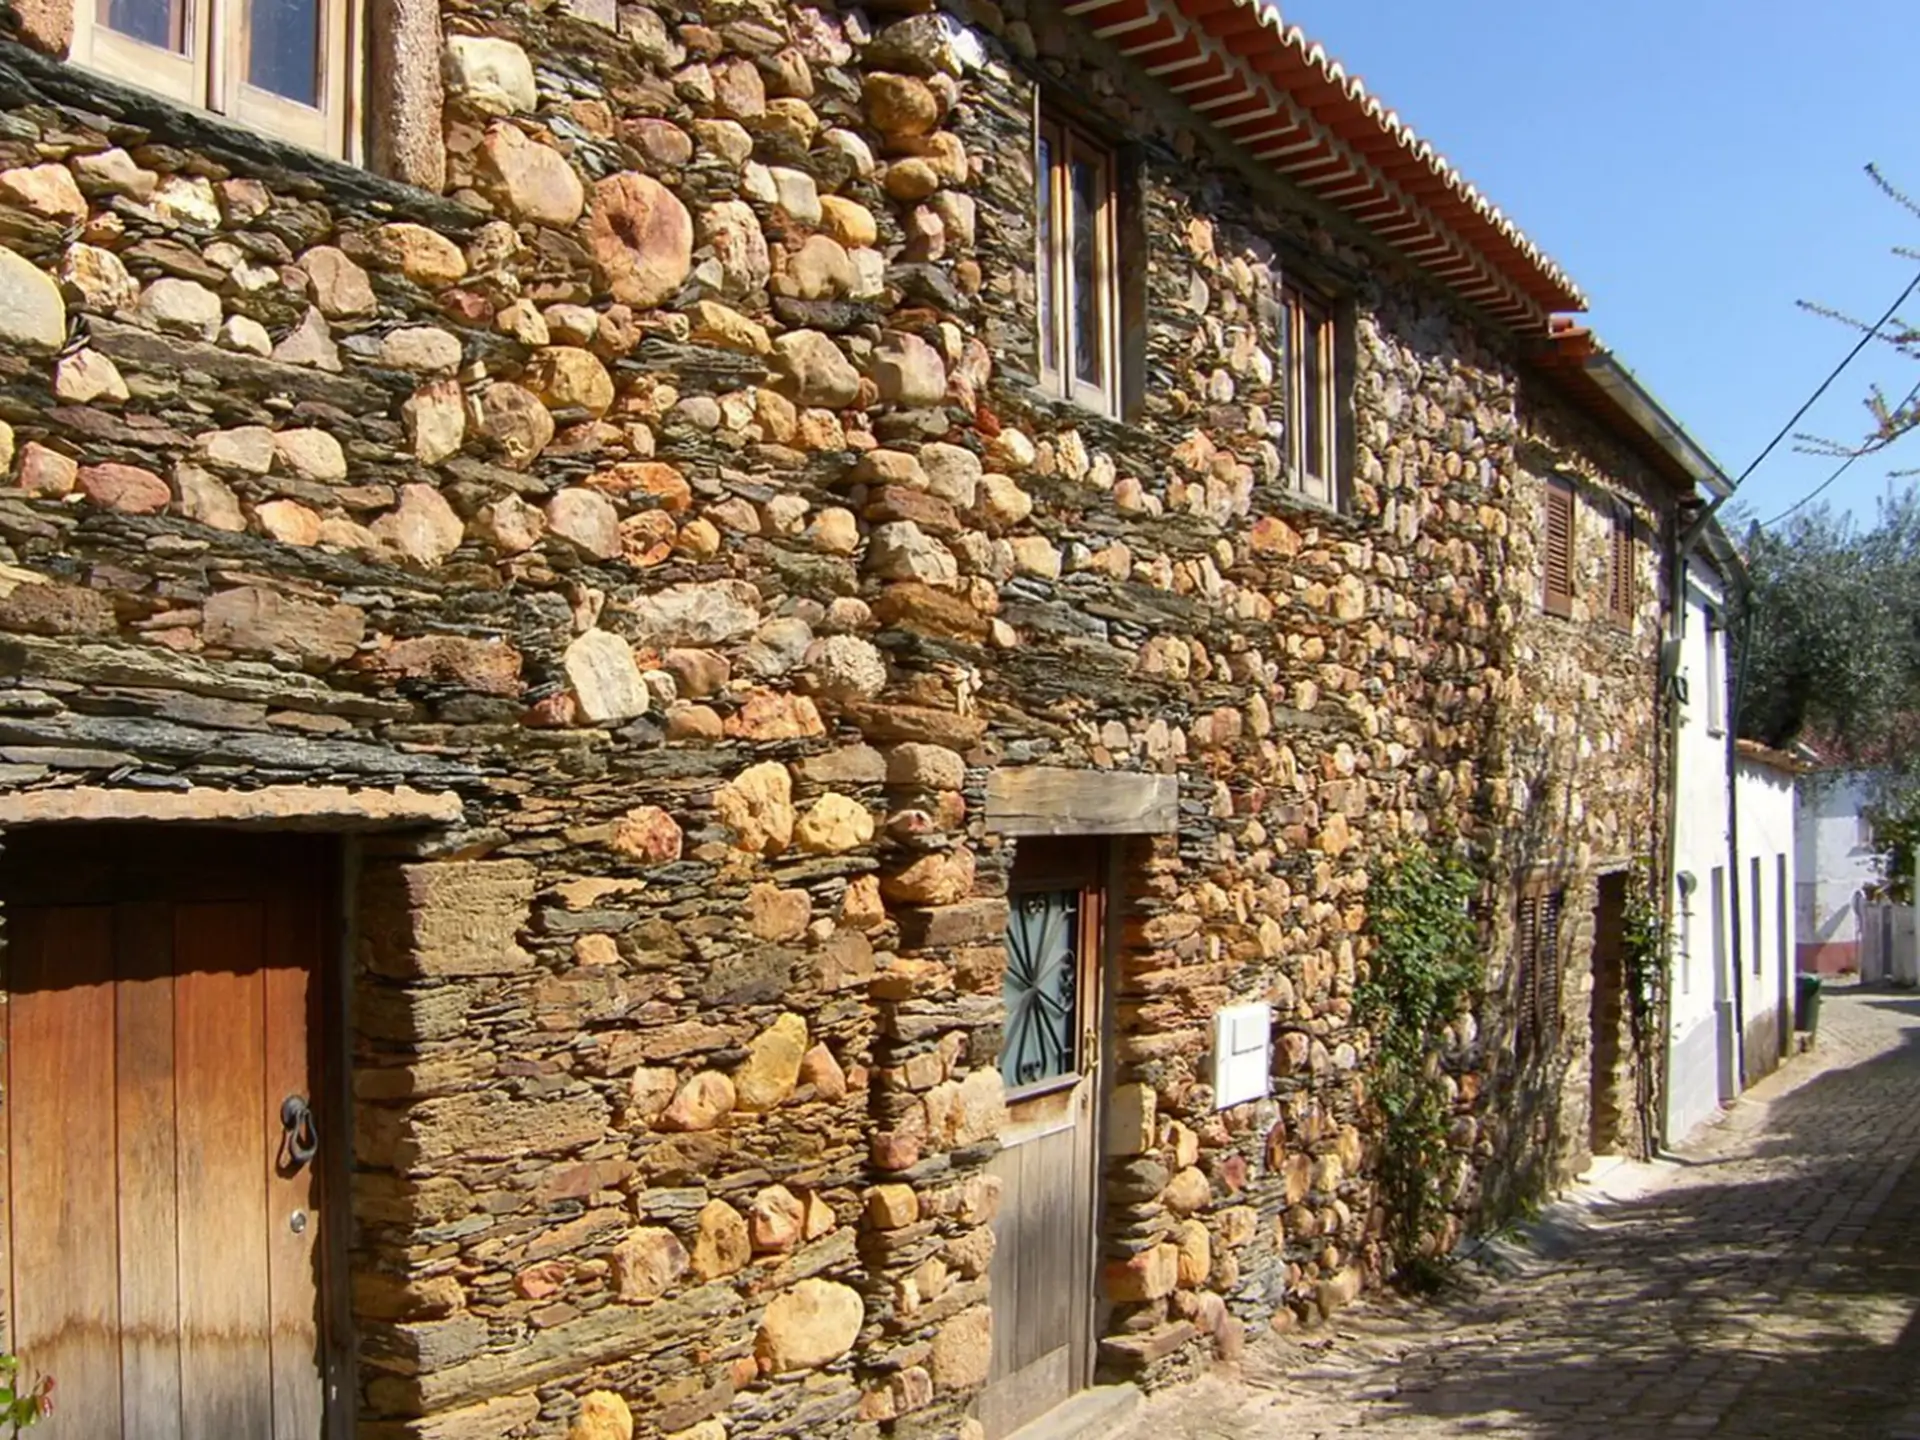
[300, 1133]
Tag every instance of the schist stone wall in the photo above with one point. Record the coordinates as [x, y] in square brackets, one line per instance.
[671, 490]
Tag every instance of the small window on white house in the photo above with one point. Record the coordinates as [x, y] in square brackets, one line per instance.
[1716, 677]
[280, 66]
[1078, 270]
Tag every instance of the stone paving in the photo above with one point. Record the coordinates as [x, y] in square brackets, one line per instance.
[1763, 1282]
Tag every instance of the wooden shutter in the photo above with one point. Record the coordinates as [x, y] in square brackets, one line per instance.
[1557, 551]
[1620, 568]
[1537, 979]
[1547, 990]
[1526, 939]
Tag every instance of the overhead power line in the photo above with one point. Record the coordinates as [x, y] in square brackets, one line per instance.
[1841, 469]
[1865, 340]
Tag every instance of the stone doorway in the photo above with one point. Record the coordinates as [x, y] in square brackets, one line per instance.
[1068, 891]
[1608, 1108]
[1042, 1283]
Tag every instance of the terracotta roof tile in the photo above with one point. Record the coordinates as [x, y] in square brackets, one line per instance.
[1291, 105]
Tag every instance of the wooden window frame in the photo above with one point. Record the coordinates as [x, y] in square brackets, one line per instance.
[1068, 863]
[1064, 145]
[1621, 562]
[210, 74]
[1310, 326]
[1558, 516]
[1539, 971]
[1716, 675]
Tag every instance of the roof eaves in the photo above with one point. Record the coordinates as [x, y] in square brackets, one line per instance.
[1608, 388]
[1295, 110]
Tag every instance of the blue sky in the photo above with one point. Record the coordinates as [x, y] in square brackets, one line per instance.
[1695, 165]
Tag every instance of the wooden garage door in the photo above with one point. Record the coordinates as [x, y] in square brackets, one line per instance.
[163, 1207]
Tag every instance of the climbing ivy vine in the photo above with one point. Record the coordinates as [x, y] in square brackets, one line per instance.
[1425, 967]
[1644, 958]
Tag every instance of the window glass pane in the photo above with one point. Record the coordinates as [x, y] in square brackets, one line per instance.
[283, 48]
[1040, 989]
[1289, 390]
[1313, 403]
[158, 22]
[1046, 279]
[1085, 179]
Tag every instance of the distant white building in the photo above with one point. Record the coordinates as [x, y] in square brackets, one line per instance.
[1837, 861]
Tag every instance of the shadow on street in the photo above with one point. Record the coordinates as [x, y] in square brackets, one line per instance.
[1771, 1287]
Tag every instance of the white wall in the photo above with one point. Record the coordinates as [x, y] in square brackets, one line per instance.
[1699, 990]
[1835, 856]
[1765, 805]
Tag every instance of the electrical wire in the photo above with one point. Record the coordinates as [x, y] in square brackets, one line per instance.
[1813, 399]
[1815, 493]
[1844, 466]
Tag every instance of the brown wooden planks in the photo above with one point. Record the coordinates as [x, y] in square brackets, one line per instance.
[220, 1080]
[1040, 1282]
[293, 1290]
[1080, 1240]
[1004, 1271]
[149, 1258]
[142, 1119]
[60, 1117]
[1048, 800]
[1052, 1235]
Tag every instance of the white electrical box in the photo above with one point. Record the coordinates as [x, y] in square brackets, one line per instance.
[1242, 1036]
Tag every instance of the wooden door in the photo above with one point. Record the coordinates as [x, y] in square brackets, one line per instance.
[163, 1257]
[1606, 1114]
[1042, 1279]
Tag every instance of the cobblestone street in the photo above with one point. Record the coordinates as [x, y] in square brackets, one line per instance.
[1766, 1282]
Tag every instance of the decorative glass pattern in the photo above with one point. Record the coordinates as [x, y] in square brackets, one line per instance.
[1042, 989]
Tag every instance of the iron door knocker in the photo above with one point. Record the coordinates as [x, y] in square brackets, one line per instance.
[300, 1137]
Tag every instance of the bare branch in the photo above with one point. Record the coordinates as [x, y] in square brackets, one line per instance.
[1827, 312]
[1893, 192]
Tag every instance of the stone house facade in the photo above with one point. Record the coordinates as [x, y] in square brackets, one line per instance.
[667, 734]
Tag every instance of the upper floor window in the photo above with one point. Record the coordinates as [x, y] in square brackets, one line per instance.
[1310, 369]
[1620, 567]
[1557, 547]
[280, 66]
[1078, 272]
[1716, 676]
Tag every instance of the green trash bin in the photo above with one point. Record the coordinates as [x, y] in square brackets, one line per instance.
[1806, 1007]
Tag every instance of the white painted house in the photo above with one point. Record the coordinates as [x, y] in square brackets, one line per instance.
[1764, 810]
[1701, 1068]
[1730, 985]
[1836, 863]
